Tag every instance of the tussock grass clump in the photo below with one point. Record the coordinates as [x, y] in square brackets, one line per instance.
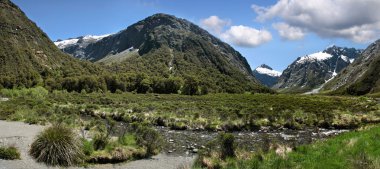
[9, 153]
[227, 145]
[57, 146]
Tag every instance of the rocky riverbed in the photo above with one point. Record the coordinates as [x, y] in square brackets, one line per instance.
[188, 143]
[181, 147]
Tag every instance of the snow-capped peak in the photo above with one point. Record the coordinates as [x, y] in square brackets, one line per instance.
[319, 56]
[264, 69]
[61, 44]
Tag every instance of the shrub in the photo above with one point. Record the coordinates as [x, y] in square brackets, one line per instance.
[9, 153]
[227, 141]
[150, 139]
[100, 141]
[57, 146]
[128, 140]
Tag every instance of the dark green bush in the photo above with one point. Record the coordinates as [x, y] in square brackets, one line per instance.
[57, 146]
[227, 141]
[9, 153]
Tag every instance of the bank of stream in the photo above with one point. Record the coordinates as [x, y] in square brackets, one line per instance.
[188, 143]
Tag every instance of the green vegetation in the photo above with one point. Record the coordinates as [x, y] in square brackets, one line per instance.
[97, 114]
[9, 153]
[57, 146]
[150, 139]
[356, 149]
[139, 143]
[227, 145]
[229, 112]
[28, 57]
[118, 150]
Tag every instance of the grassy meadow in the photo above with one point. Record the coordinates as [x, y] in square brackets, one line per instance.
[228, 112]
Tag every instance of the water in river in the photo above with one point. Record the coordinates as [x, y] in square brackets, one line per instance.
[188, 143]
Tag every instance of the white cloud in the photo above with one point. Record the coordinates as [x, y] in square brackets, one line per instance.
[357, 20]
[214, 24]
[288, 32]
[246, 36]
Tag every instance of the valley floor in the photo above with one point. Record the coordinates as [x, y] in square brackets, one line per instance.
[239, 113]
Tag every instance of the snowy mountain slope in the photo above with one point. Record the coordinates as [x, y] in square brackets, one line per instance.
[312, 71]
[266, 75]
[77, 46]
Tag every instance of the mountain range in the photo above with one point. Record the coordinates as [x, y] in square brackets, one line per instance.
[314, 70]
[161, 47]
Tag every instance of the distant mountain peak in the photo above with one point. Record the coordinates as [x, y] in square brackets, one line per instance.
[266, 75]
[265, 66]
[319, 56]
[265, 69]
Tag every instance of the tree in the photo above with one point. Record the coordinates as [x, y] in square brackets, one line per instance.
[190, 86]
[144, 86]
[70, 84]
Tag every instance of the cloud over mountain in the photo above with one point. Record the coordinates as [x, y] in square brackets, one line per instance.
[214, 24]
[356, 20]
[243, 36]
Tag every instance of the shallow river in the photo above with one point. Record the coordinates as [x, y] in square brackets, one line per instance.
[187, 143]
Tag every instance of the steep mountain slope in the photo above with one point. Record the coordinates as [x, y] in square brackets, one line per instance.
[311, 71]
[266, 75]
[163, 45]
[362, 76]
[27, 55]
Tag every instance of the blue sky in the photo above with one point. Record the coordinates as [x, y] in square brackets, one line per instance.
[62, 19]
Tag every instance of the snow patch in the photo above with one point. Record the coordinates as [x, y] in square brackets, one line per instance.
[94, 37]
[352, 60]
[64, 43]
[345, 58]
[320, 56]
[269, 72]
